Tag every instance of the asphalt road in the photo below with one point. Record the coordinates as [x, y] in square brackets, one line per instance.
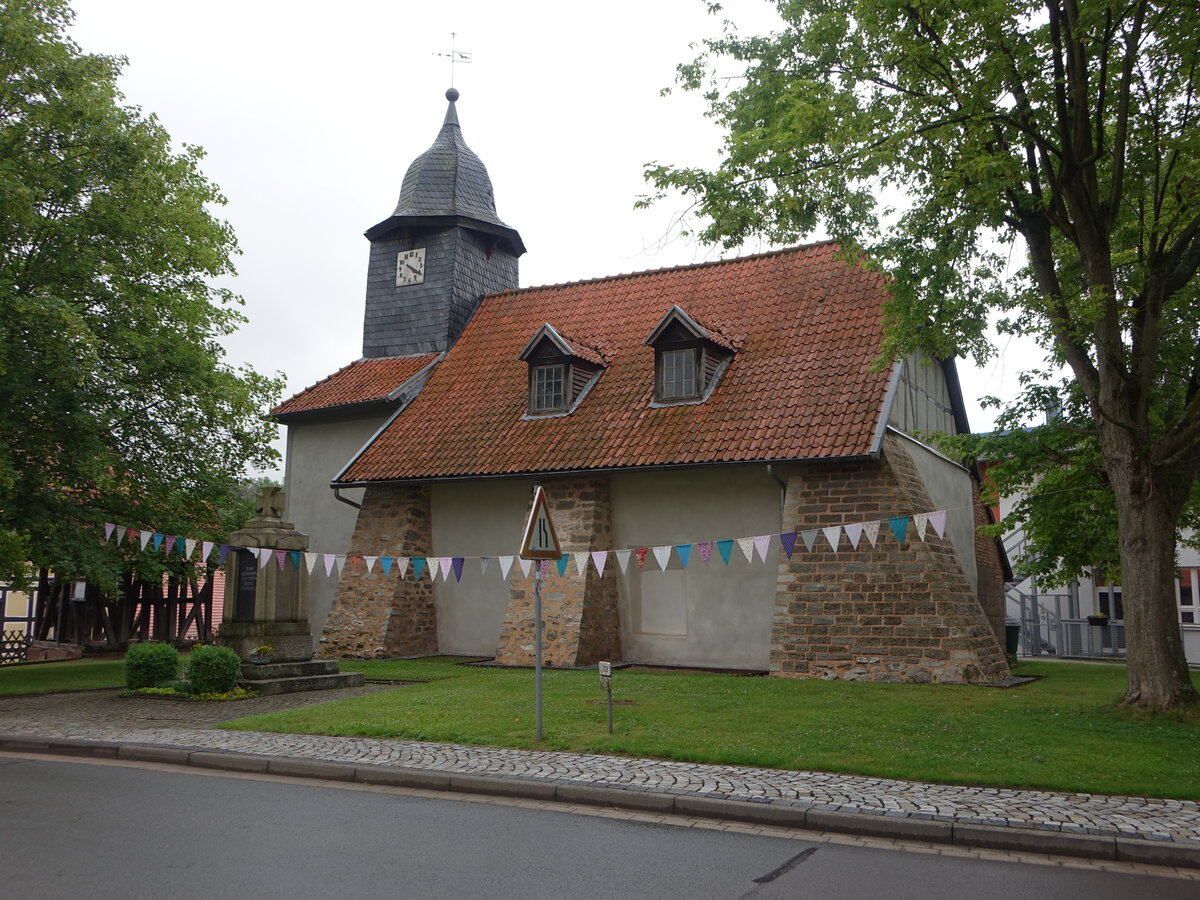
[76, 830]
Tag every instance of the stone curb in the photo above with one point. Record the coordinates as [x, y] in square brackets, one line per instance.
[1092, 846]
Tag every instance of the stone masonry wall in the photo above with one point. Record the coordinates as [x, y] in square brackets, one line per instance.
[991, 570]
[892, 612]
[373, 615]
[581, 620]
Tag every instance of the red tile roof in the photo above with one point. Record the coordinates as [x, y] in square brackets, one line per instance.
[362, 381]
[807, 325]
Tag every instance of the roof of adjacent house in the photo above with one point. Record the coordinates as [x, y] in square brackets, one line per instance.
[806, 326]
[363, 381]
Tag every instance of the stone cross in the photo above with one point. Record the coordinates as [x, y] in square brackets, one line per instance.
[269, 502]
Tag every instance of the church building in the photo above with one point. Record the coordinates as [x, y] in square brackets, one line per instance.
[669, 416]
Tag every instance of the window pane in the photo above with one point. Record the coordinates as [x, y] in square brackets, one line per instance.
[548, 392]
[678, 374]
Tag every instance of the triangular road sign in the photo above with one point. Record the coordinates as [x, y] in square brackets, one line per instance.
[540, 540]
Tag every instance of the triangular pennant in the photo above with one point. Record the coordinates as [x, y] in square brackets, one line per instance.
[871, 530]
[294, 555]
[329, 561]
[109, 527]
[938, 521]
[144, 539]
[526, 565]
[705, 548]
[189, 547]
[685, 553]
[484, 562]
[809, 537]
[310, 561]
[340, 562]
[561, 564]
[921, 520]
[640, 553]
[505, 566]
[280, 556]
[833, 534]
[663, 555]
[418, 564]
[264, 556]
[853, 533]
[762, 543]
[169, 545]
[206, 551]
[444, 563]
[599, 560]
[385, 563]
[899, 527]
[747, 547]
[581, 558]
[402, 566]
[223, 554]
[725, 548]
[121, 530]
[158, 541]
[456, 564]
[134, 534]
[544, 565]
[787, 540]
[370, 561]
[623, 560]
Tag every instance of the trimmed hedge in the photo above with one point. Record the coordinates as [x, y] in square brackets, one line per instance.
[213, 670]
[150, 664]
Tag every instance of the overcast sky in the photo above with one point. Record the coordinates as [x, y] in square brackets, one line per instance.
[310, 115]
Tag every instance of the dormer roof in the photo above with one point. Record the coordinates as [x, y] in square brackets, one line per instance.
[567, 346]
[677, 315]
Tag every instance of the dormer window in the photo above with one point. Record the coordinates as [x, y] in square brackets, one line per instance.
[688, 358]
[561, 371]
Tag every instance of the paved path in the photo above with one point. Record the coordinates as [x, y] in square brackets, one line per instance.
[915, 809]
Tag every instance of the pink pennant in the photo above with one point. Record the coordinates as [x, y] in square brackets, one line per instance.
[600, 560]
[705, 548]
[280, 557]
[329, 560]
[762, 543]
[938, 521]
[205, 551]
[109, 527]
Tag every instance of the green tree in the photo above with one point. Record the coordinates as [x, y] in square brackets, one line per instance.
[115, 404]
[1068, 127]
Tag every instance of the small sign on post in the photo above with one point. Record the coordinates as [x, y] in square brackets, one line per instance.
[606, 686]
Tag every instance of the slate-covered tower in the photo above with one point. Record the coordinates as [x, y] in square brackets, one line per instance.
[442, 249]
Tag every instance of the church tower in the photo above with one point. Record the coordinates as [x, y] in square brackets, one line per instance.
[438, 253]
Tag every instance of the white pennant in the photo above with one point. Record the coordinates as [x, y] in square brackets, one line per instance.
[108, 531]
[921, 520]
[871, 530]
[526, 565]
[340, 562]
[747, 545]
[810, 538]
[144, 539]
[402, 565]
[484, 562]
[663, 555]
[833, 534]
[371, 560]
[505, 565]
[264, 556]
[854, 533]
[938, 521]
[623, 560]
[599, 559]
[189, 546]
[121, 529]
[310, 560]
[581, 558]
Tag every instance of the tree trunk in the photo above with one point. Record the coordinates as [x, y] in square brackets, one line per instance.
[1146, 519]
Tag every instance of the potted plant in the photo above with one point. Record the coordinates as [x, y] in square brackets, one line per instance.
[1098, 619]
[262, 654]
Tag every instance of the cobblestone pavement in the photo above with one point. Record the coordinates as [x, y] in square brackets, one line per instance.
[104, 715]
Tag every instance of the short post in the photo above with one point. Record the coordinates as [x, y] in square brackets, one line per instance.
[537, 645]
[606, 685]
[540, 543]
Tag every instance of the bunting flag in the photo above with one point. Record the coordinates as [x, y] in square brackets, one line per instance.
[920, 520]
[640, 553]
[484, 562]
[310, 560]
[938, 521]
[370, 561]
[418, 564]
[329, 560]
[787, 540]
[505, 565]
[206, 551]
[158, 541]
[899, 526]
[280, 556]
[544, 566]
[581, 558]
[445, 563]
[809, 537]
[340, 562]
[189, 547]
[725, 548]
[456, 563]
[762, 543]
[599, 560]
[663, 555]
[121, 529]
[853, 533]
[134, 535]
[223, 554]
[747, 546]
[294, 555]
[402, 566]
[169, 546]
[264, 557]
[561, 564]
[526, 565]
[833, 534]
[705, 548]
[109, 527]
[685, 553]
[623, 560]
[871, 530]
[144, 539]
[385, 563]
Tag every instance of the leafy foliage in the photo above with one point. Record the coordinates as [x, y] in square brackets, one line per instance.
[115, 404]
[213, 670]
[150, 664]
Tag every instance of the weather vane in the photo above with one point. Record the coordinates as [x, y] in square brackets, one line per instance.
[454, 56]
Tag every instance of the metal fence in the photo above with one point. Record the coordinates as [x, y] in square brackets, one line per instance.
[1099, 641]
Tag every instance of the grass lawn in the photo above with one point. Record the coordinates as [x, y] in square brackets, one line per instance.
[1063, 732]
[68, 675]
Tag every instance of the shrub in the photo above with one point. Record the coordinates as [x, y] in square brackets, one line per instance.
[150, 664]
[213, 670]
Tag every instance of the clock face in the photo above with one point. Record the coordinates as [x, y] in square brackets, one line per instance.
[410, 266]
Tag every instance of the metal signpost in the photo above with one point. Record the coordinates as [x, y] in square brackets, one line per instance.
[540, 542]
[606, 686]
